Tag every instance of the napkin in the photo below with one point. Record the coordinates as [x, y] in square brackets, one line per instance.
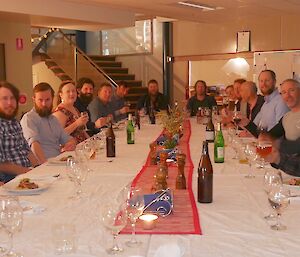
[169, 249]
[31, 208]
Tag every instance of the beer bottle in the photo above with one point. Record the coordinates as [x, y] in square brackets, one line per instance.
[110, 142]
[205, 177]
[152, 115]
[137, 119]
[130, 130]
[210, 131]
[219, 145]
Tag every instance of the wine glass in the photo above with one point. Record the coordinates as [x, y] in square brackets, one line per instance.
[78, 174]
[279, 201]
[251, 156]
[263, 149]
[11, 219]
[114, 218]
[272, 178]
[84, 114]
[236, 119]
[135, 208]
[235, 144]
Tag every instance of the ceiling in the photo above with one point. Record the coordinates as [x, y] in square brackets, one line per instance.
[99, 14]
[231, 10]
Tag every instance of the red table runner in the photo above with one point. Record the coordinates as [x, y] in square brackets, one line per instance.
[184, 218]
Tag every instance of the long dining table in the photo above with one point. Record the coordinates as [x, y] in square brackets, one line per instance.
[233, 225]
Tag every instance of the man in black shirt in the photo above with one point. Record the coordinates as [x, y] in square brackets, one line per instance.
[85, 89]
[200, 99]
[154, 99]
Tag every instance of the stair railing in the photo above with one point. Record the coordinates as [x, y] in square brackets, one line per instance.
[69, 49]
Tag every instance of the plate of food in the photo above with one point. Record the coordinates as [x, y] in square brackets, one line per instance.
[292, 182]
[26, 186]
[60, 160]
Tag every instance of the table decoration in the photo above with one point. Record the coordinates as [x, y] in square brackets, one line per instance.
[184, 217]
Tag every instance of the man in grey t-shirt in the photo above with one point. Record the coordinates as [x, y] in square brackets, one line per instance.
[41, 129]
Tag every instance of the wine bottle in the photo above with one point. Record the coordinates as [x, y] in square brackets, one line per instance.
[130, 130]
[137, 119]
[152, 115]
[219, 145]
[110, 142]
[210, 131]
[205, 177]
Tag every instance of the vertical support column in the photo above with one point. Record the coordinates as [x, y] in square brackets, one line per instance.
[168, 60]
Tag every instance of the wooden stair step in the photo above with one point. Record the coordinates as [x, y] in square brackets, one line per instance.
[137, 90]
[102, 57]
[132, 83]
[121, 76]
[113, 70]
[108, 64]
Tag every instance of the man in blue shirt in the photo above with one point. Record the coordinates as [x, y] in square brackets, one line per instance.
[273, 108]
[15, 154]
[41, 129]
[118, 101]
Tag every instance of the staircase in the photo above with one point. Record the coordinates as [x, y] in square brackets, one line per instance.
[115, 70]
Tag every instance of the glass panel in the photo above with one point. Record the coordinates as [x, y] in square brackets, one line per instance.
[63, 52]
[133, 40]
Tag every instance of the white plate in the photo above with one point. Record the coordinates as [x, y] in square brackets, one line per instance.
[286, 183]
[57, 160]
[12, 187]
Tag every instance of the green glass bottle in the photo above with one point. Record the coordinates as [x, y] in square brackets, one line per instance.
[219, 145]
[130, 130]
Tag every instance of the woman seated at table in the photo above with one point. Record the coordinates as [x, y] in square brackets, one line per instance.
[68, 116]
[200, 99]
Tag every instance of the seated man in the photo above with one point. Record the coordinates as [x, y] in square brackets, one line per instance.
[286, 155]
[85, 89]
[154, 99]
[15, 154]
[248, 92]
[118, 101]
[42, 130]
[273, 108]
[200, 99]
[241, 105]
[101, 109]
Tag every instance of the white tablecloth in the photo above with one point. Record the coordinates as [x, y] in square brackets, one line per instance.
[232, 225]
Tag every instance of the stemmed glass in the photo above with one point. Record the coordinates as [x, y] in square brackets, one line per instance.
[279, 201]
[235, 144]
[11, 219]
[114, 218]
[272, 178]
[263, 149]
[236, 119]
[77, 174]
[135, 208]
[84, 114]
[251, 156]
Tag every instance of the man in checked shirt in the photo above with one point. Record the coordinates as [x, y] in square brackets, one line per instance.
[15, 155]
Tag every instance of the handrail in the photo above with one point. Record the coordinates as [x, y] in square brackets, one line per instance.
[42, 42]
[77, 50]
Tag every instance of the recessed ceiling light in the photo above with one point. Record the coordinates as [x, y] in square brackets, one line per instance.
[196, 5]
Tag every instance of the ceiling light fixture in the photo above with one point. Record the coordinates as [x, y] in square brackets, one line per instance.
[195, 5]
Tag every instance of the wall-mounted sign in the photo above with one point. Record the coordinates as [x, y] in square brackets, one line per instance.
[19, 43]
[243, 43]
[22, 99]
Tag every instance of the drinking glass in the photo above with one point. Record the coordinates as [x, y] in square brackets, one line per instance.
[272, 178]
[84, 114]
[114, 218]
[77, 174]
[279, 201]
[135, 208]
[236, 119]
[11, 219]
[251, 156]
[263, 149]
[235, 144]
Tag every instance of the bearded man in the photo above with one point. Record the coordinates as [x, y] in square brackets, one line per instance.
[15, 155]
[85, 89]
[41, 129]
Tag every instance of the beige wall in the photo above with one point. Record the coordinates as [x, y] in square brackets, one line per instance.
[18, 62]
[192, 38]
